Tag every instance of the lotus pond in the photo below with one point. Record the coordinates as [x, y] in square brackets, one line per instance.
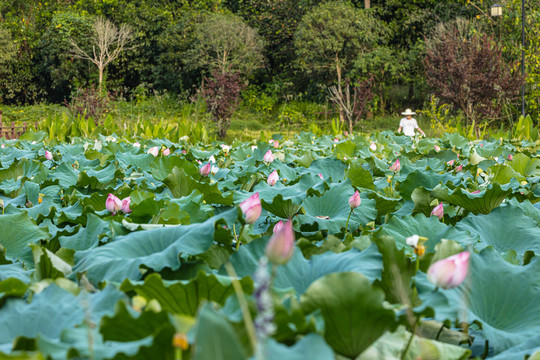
[178, 270]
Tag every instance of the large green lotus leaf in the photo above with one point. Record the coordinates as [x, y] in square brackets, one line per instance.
[391, 345]
[352, 309]
[383, 204]
[360, 177]
[140, 161]
[181, 184]
[401, 228]
[16, 232]
[503, 174]
[502, 297]
[331, 210]
[127, 326]
[481, 203]
[14, 271]
[426, 178]
[184, 297]
[215, 337]
[87, 237]
[529, 209]
[156, 249]
[299, 272]
[100, 179]
[53, 310]
[295, 192]
[345, 149]
[85, 343]
[311, 346]
[12, 287]
[328, 167]
[65, 174]
[48, 265]
[521, 351]
[21, 355]
[163, 166]
[73, 214]
[505, 228]
[525, 165]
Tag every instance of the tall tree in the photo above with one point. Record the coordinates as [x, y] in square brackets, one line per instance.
[466, 69]
[108, 41]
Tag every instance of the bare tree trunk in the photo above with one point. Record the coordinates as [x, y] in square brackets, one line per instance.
[339, 88]
[100, 79]
[367, 4]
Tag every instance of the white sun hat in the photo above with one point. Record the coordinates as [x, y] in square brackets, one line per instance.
[408, 112]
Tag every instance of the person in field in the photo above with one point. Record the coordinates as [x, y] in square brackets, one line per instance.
[408, 124]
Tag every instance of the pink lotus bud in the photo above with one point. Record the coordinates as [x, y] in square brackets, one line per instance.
[271, 141]
[273, 178]
[438, 211]
[395, 167]
[3, 146]
[346, 133]
[280, 247]
[437, 148]
[113, 204]
[48, 155]
[125, 205]
[278, 227]
[276, 144]
[450, 163]
[251, 207]
[373, 146]
[510, 157]
[137, 144]
[184, 152]
[476, 192]
[459, 168]
[336, 140]
[153, 150]
[355, 200]
[268, 157]
[205, 170]
[450, 272]
[166, 152]
[320, 175]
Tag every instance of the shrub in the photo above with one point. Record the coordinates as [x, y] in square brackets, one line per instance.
[90, 103]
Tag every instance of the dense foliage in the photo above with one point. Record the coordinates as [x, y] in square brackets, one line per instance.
[118, 250]
[175, 46]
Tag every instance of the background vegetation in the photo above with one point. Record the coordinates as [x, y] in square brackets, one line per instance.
[285, 55]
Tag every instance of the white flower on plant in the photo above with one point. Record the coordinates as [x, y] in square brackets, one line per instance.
[214, 169]
[137, 145]
[212, 159]
[253, 147]
[225, 148]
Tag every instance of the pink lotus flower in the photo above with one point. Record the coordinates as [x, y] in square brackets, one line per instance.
[184, 152]
[320, 175]
[276, 144]
[459, 168]
[251, 207]
[113, 204]
[373, 146]
[438, 211]
[48, 155]
[336, 140]
[205, 170]
[450, 272]
[166, 152]
[3, 146]
[450, 163]
[355, 200]
[273, 178]
[510, 157]
[346, 133]
[137, 144]
[395, 167]
[268, 157]
[278, 227]
[125, 205]
[153, 150]
[476, 192]
[280, 247]
[437, 148]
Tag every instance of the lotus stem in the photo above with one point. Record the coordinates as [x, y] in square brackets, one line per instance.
[347, 224]
[413, 330]
[248, 321]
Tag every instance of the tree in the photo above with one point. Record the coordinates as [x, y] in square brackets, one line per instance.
[466, 69]
[8, 50]
[331, 36]
[222, 95]
[108, 42]
[226, 43]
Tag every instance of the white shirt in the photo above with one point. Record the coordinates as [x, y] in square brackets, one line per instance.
[408, 126]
